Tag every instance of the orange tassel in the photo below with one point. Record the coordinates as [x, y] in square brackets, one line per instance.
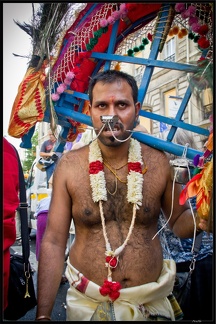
[117, 67]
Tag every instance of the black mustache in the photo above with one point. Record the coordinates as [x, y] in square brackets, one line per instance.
[111, 126]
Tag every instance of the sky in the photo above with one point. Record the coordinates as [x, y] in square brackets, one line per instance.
[15, 40]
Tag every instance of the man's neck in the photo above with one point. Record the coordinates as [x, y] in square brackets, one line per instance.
[115, 154]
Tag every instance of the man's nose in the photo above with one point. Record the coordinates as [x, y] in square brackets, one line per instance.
[112, 110]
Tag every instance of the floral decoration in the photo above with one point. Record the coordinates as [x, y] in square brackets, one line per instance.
[111, 261]
[135, 177]
[63, 86]
[111, 289]
[75, 74]
[115, 15]
[175, 30]
[136, 49]
[195, 26]
[150, 37]
[99, 194]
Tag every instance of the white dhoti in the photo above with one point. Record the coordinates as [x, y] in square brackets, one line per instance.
[147, 302]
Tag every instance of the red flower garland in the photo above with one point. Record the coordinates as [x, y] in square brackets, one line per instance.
[95, 167]
[112, 261]
[134, 166]
[99, 194]
[111, 289]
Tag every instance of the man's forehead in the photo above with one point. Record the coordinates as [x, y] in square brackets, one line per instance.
[118, 81]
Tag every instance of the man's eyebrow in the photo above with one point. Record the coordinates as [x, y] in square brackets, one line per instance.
[123, 101]
[117, 101]
[97, 102]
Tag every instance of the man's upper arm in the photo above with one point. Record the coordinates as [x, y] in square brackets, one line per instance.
[60, 211]
[43, 147]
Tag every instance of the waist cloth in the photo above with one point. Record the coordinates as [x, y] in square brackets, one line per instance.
[141, 303]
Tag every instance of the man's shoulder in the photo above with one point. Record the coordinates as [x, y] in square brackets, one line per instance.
[47, 142]
[146, 148]
[78, 155]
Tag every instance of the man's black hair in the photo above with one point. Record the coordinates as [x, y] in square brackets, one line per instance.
[110, 76]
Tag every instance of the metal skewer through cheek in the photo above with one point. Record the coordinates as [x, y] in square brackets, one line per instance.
[116, 137]
[110, 122]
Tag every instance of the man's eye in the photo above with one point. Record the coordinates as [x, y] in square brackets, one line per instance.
[122, 105]
[102, 106]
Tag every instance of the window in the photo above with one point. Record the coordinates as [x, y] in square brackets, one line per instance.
[172, 103]
[169, 50]
[207, 101]
[138, 74]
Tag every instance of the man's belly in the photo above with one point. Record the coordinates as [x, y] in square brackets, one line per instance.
[136, 265]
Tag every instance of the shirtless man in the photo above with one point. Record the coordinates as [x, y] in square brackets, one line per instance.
[113, 189]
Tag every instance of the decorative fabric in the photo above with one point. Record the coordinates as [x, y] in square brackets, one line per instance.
[201, 187]
[134, 303]
[29, 104]
[104, 312]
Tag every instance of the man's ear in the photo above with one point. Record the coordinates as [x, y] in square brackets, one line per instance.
[137, 109]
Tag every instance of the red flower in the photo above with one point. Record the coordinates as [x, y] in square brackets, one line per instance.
[112, 261]
[114, 295]
[203, 30]
[110, 288]
[95, 167]
[149, 36]
[134, 166]
[203, 42]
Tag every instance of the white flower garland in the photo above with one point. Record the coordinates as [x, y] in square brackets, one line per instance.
[135, 179]
[99, 193]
